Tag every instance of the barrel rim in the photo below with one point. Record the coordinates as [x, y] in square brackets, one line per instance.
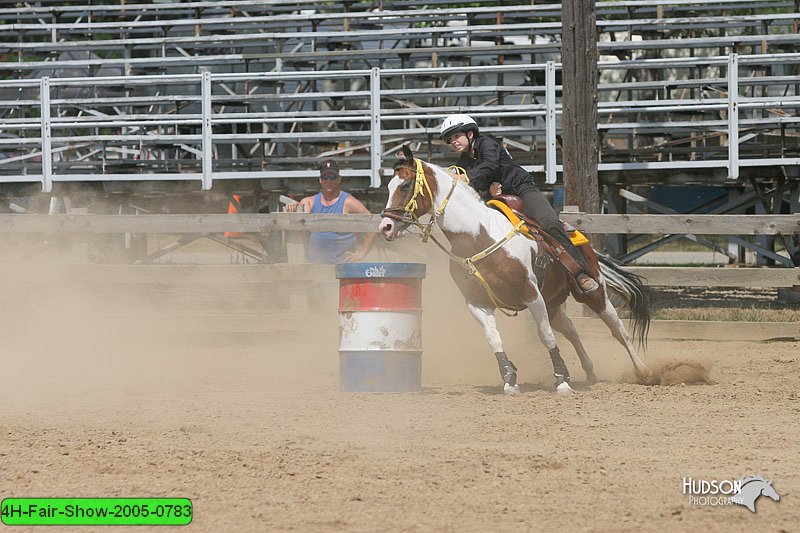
[380, 270]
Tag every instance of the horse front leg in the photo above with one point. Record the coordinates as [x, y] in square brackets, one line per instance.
[508, 372]
[562, 323]
[539, 311]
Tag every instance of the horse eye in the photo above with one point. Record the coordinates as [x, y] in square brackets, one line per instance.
[404, 187]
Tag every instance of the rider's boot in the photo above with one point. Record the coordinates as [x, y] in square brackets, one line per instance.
[508, 372]
[586, 282]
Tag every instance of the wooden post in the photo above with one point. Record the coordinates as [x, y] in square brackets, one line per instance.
[580, 140]
[296, 253]
[616, 244]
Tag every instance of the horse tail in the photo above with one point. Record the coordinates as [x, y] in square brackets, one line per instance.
[632, 289]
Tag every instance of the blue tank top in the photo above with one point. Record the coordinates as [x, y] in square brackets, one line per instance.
[329, 246]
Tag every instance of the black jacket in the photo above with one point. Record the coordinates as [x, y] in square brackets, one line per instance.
[493, 163]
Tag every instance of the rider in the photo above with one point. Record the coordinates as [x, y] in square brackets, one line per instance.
[493, 172]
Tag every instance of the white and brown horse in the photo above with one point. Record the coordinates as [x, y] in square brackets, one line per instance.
[493, 266]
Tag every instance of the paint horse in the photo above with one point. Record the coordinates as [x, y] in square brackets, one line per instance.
[493, 266]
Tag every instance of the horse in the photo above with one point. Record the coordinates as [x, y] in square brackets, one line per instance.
[495, 268]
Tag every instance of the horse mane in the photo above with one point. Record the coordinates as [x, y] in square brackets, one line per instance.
[750, 479]
[403, 162]
[463, 186]
[464, 196]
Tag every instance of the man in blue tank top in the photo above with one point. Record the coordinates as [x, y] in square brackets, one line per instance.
[329, 246]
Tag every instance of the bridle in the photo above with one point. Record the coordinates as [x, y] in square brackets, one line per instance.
[406, 215]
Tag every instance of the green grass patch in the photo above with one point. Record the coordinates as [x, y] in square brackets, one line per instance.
[729, 315]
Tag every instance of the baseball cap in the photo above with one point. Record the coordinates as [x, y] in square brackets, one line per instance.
[329, 168]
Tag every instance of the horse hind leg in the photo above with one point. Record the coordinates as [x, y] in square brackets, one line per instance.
[508, 372]
[539, 311]
[609, 316]
[562, 324]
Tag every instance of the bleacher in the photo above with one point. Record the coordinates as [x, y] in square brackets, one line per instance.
[249, 94]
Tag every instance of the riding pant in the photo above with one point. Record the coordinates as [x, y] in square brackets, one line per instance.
[536, 206]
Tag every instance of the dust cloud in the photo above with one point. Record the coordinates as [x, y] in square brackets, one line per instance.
[666, 373]
[81, 333]
[77, 334]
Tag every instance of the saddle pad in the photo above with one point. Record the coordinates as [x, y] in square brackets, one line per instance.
[575, 236]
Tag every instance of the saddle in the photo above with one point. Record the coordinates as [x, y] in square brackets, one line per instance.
[511, 207]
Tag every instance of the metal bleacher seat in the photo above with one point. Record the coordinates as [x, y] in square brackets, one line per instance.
[291, 79]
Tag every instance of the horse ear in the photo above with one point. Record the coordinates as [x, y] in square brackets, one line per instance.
[407, 153]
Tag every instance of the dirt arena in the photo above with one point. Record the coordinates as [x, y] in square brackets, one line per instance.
[109, 391]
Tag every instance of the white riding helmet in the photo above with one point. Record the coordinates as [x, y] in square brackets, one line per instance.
[456, 124]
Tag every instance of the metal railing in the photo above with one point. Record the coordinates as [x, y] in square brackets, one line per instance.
[194, 117]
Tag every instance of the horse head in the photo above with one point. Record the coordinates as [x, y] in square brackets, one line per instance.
[411, 191]
[769, 491]
[751, 488]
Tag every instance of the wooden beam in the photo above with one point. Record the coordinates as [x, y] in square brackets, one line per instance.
[685, 224]
[718, 277]
[260, 223]
[241, 222]
[176, 275]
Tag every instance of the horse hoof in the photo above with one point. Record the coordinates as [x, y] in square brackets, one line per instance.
[591, 378]
[564, 389]
[508, 390]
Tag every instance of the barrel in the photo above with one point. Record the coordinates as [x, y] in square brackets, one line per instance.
[380, 326]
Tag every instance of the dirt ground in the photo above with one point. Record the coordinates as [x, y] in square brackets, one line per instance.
[117, 393]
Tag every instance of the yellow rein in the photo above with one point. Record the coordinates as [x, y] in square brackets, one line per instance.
[420, 186]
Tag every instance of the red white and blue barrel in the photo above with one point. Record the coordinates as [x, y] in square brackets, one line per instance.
[380, 326]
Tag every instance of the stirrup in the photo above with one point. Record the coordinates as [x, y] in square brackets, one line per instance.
[587, 286]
